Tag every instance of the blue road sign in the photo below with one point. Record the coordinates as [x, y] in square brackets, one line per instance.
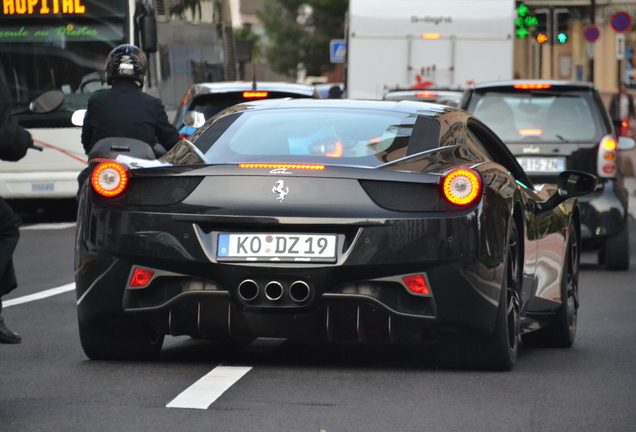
[591, 33]
[337, 50]
[621, 22]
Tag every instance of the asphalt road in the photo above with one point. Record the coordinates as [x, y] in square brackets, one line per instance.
[47, 383]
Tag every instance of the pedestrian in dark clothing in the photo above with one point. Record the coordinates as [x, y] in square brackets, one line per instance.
[622, 107]
[14, 142]
[124, 110]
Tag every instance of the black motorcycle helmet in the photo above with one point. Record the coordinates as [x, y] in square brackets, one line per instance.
[126, 62]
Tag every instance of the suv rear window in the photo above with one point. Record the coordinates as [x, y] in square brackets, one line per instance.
[539, 116]
[212, 104]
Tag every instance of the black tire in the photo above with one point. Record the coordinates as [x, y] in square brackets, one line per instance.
[616, 251]
[561, 331]
[499, 350]
[120, 340]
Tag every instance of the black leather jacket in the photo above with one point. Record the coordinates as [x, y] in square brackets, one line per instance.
[14, 139]
[125, 111]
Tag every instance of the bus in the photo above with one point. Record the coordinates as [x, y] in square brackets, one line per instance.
[62, 45]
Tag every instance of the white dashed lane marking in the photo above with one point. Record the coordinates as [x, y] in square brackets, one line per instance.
[208, 389]
[204, 392]
[39, 295]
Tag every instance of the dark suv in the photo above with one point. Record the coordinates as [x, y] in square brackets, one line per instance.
[551, 126]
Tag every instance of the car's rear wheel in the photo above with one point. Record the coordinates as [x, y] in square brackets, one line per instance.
[497, 351]
[561, 331]
[616, 251]
[120, 340]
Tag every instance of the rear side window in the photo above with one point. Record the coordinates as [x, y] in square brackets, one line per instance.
[331, 136]
[212, 104]
[541, 116]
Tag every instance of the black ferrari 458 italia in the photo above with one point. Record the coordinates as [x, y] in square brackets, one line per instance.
[331, 220]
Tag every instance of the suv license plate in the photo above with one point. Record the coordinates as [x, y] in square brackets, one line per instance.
[542, 164]
[277, 247]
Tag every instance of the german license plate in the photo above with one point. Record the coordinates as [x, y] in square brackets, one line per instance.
[277, 247]
[42, 187]
[542, 164]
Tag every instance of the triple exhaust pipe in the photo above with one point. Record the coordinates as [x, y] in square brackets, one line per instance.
[298, 291]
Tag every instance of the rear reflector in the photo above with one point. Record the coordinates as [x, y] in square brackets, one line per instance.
[141, 277]
[462, 186]
[416, 284]
[609, 168]
[255, 94]
[288, 166]
[109, 179]
[532, 86]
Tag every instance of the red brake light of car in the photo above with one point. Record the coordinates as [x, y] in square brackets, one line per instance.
[462, 186]
[532, 86]
[607, 153]
[184, 136]
[530, 131]
[141, 277]
[277, 166]
[416, 284]
[426, 94]
[109, 179]
[255, 94]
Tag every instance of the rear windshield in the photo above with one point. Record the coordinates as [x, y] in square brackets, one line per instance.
[212, 104]
[330, 136]
[539, 116]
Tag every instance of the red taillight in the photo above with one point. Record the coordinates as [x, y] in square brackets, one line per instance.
[109, 179]
[184, 136]
[287, 166]
[141, 277]
[606, 160]
[416, 284]
[532, 86]
[255, 94]
[462, 186]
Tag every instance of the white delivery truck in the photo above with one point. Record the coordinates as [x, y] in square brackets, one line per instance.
[448, 43]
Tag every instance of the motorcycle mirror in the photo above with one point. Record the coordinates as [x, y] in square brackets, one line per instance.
[47, 102]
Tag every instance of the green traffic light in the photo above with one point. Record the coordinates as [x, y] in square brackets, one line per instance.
[523, 10]
[562, 38]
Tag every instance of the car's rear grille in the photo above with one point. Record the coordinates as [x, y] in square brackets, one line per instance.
[405, 197]
[159, 190]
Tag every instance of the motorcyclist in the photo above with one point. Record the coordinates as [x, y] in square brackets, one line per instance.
[14, 142]
[124, 110]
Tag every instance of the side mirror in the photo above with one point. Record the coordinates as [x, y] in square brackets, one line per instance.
[626, 143]
[194, 119]
[575, 183]
[570, 184]
[47, 102]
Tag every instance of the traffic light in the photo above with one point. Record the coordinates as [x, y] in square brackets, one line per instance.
[561, 18]
[543, 18]
[542, 25]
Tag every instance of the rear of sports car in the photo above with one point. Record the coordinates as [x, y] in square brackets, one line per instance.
[296, 244]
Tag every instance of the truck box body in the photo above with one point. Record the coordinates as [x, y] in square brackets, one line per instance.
[451, 43]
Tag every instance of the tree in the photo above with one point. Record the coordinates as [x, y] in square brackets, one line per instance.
[299, 32]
